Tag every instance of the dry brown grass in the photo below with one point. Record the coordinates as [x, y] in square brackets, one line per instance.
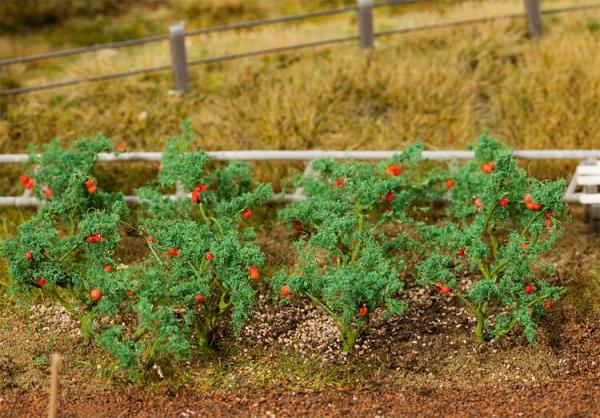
[441, 87]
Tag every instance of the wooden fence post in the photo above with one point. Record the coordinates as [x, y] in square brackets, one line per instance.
[55, 360]
[365, 23]
[534, 19]
[178, 56]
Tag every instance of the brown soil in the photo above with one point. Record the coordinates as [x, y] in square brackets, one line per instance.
[286, 363]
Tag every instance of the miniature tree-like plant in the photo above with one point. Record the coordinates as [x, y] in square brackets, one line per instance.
[203, 263]
[500, 222]
[67, 249]
[348, 266]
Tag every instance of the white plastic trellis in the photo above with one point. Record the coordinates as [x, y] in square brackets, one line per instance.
[310, 155]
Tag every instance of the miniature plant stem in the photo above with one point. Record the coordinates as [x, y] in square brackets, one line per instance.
[533, 219]
[479, 312]
[152, 352]
[489, 230]
[203, 214]
[498, 268]
[139, 333]
[69, 251]
[479, 337]
[348, 337]
[361, 225]
[483, 268]
[154, 253]
[87, 322]
[328, 310]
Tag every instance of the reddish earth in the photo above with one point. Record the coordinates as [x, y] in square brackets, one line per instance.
[575, 397]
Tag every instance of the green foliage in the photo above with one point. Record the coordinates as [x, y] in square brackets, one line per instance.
[504, 221]
[64, 249]
[348, 264]
[355, 232]
[60, 175]
[202, 254]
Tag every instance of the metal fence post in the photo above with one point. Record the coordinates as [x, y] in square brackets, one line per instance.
[534, 18]
[365, 23]
[178, 56]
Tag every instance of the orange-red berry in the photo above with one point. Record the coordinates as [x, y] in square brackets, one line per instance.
[96, 294]
[284, 291]
[394, 170]
[339, 182]
[254, 273]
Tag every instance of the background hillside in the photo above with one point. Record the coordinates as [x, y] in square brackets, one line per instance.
[441, 87]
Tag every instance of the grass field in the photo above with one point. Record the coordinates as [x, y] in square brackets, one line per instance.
[441, 87]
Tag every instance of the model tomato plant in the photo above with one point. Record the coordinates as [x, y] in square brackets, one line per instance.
[500, 223]
[348, 265]
[64, 249]
[64, 179]
[203, 261]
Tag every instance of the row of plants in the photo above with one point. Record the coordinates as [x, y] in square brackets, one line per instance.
[361, 228]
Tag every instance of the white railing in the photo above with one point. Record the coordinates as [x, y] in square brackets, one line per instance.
[308, 155]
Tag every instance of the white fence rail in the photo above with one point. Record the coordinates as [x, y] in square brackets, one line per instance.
[309, 155]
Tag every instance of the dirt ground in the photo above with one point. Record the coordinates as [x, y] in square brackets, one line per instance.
[286, 362]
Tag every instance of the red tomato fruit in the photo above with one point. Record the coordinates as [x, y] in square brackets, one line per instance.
[284, 291]
[394, 170]
[254, 273]
[339, 182]
[96, 294]
[92, 239]
[91, 186]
